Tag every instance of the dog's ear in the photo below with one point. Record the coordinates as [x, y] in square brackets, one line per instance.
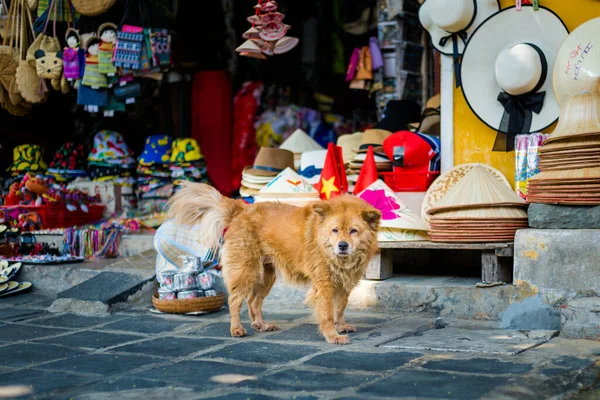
[321, 208]
[372, 217]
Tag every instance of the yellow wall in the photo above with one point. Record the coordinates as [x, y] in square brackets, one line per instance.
[473, 140]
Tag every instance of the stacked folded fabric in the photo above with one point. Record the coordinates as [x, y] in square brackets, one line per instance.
[69, 163]
[111, 160]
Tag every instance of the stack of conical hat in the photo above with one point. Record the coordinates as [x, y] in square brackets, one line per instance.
[570, 157]
[290, 188]
[478, 208]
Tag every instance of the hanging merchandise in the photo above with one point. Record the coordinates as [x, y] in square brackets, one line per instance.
[92, 92]
[364, 70]
[71, 55]
[451, 24]
[535, 3]
[376, 56]
[65, 11]
[352, 65]
[141, 48]
[91, 8]
[108, 35]
[505, 75]
[12, 54]
[3, 17]
[267, 34]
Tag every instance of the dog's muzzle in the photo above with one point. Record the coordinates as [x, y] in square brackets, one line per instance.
[342, 249]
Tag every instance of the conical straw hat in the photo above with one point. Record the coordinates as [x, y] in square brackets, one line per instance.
[584, 175]
[579, 116]
[481, 213]
[250, 33]
[249, 47]
[299, 142]
[288, 184]
[478, 188]
[442, 184]
[577, 65]
[395, 214]
[574, 143]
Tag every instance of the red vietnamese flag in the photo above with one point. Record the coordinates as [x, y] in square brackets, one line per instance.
[333, 180]
[368, 172]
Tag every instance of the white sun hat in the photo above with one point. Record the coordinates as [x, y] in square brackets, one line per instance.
[452, 22]
[311, 165]
[506, 72]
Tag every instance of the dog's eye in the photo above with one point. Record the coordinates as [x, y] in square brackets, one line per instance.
[353, 231]
[335, 230]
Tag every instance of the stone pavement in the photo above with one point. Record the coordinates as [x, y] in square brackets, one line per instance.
[133, 354]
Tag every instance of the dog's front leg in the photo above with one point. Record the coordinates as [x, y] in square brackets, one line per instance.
[324, 303]
[340, 302]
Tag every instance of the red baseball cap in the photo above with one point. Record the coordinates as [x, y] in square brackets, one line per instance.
[407, 149]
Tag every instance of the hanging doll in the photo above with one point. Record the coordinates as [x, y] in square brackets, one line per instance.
[92, 92]
[92, 76]
[108, 34]
[71, 56]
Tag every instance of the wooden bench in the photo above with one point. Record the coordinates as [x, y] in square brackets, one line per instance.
[496, 258]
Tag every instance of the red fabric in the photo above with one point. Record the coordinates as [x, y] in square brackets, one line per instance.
[368, 172]
[417, 151]
[333, 180]
[245, 106]
[211, 125]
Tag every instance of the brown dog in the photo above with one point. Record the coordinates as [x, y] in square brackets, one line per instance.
[325, 244]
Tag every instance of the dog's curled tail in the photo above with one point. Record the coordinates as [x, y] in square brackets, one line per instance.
[197, 203]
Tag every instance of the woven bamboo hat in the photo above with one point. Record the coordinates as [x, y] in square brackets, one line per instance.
[478, 188]
[349, 143]
[577, 65]
[270, 162]
[579, 116]
[446, 181]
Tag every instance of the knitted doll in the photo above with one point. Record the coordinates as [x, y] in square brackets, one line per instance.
[71, 56]
[92, 76]
[108, 34]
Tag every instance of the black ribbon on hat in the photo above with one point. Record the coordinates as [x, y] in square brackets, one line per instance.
[516, 119]
[455, 36]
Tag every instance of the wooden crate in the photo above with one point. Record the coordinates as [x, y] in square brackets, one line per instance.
[496, 258]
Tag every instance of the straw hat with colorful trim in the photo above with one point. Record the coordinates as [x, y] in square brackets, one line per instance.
[270, 162]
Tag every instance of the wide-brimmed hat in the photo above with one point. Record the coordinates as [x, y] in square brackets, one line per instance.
[373, 138]
[270, 162]
[451, 23]
[27, 157]
[105, 26]
[311, 165]
[506, 68]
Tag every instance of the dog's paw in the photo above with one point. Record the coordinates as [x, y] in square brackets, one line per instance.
[265, 327]
[339, 339]
[238, 332]
[346, 328]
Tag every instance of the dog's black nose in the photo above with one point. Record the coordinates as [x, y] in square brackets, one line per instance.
[343, 246]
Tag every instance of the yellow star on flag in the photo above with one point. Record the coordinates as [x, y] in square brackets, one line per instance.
[328, 186]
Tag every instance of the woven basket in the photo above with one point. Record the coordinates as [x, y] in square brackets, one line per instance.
[184, 306]
[92, 8]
